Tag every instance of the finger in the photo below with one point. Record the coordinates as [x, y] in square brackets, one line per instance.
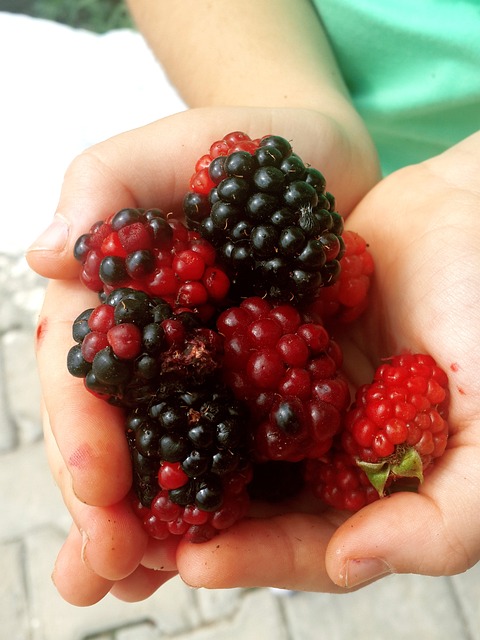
[113, 539]
[141, 584]
[434, 532]
[74, 580]
[286, 551]
[88, 431]
[160, 555]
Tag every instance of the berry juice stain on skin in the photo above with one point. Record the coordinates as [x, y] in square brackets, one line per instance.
[81, 457]
[41, 331]
[456, 367]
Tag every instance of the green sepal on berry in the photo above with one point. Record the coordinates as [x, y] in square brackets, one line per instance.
[382, 473]
[397, 426]
[410, 465]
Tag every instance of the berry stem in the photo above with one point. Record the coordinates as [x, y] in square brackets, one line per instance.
[406, 465]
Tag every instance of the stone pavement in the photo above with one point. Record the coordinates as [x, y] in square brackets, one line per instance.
[33, 523]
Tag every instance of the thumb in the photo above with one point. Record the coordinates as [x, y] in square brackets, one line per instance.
[433, 532]
[285, 551]
[89, 193]
[128, 170]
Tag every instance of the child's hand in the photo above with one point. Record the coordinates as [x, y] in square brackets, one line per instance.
[107, 548]
[423, 228]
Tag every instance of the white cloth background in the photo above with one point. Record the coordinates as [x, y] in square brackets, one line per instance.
[62, 90]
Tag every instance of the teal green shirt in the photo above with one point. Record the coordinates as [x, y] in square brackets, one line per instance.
[413, 71]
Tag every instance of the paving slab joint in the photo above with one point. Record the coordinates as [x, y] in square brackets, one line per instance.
[110, 633]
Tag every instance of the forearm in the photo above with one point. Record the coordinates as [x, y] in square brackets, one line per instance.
[272, 53]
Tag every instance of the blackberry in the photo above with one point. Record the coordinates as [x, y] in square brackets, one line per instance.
[189, 453]
[398, 424]
[270, 218]
[133, 344]
[287, 369]
[154, 252]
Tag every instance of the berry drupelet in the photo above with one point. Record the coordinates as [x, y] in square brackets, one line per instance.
[269, 216]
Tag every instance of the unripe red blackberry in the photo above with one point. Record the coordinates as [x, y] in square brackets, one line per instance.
[156, 253]
[133, 344]
[270, 218]
[347, 298]
[397, 426]
[287, 369]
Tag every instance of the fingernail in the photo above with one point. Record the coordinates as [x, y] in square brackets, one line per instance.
[360, 570]
[54, 238]
[83, 552]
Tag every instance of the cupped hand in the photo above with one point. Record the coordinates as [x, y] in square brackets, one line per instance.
[422, 225]
[107, 550]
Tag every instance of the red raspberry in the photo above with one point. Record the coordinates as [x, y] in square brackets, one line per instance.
[155, 253]
[287, 370]
[339, 482]
[346, 299]
[397, 426]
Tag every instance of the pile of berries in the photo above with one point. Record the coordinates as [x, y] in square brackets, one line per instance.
[215, 338]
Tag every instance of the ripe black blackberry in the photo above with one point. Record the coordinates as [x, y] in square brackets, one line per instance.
[272, 221]
[190, 461]
[132, 345]
[187, 442]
